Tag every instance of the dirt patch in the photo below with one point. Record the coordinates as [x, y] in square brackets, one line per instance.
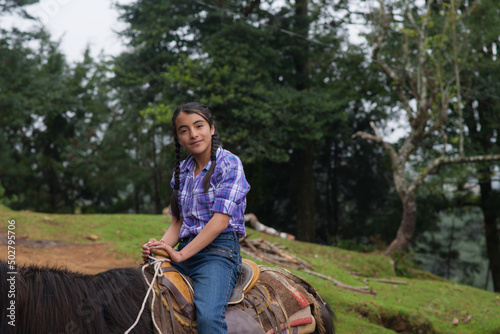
[399, 323]
[88, 259]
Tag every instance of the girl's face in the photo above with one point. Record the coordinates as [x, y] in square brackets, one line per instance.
[194, 133]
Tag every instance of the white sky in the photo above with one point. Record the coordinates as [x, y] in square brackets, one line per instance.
[77, 24]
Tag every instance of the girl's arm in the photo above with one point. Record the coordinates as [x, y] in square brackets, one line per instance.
[214, 227]
[170, 238]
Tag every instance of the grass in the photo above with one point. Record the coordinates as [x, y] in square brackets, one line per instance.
[123, 233]
[426, 304]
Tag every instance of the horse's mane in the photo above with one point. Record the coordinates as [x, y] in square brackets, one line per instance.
[55, 300]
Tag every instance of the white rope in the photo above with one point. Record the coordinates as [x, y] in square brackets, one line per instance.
[157, 272]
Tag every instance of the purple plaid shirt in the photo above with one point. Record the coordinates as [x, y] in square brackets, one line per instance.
[227, 194]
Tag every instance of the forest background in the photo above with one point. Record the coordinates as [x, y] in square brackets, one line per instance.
[308, 112]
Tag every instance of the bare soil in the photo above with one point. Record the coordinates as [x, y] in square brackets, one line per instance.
[87, 259]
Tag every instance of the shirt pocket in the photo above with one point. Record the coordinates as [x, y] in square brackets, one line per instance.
[203, 204]
[205, 198]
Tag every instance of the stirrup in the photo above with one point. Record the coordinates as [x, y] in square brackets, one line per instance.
[246, 280]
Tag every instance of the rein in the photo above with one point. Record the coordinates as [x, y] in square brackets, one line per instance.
[155, 263]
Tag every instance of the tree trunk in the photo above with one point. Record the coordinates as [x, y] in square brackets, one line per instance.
[304, 174]
[137, 205]
[490, 213]
[156, 191]
[482, 131]
[335, 190]
[305, 227]
[156, 177]
[407, 227]
[450, 248]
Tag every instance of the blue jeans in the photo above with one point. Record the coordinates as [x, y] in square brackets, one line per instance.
[214, 271]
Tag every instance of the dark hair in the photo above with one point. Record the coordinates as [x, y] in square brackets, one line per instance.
[203, 111]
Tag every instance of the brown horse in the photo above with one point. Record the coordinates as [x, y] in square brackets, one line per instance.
[52, 300]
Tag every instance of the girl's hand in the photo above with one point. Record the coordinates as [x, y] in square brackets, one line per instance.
[145, 248]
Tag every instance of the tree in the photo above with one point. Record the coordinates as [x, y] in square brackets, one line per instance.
[27, 110]
[140, 142]
[50, 114]
[8, 6]
[267, 75]
[411, 45]
[480, 88]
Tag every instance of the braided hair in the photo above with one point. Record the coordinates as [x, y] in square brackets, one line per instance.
[205, 113]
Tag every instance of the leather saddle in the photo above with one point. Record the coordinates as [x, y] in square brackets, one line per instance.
[249, 275]
[185, 294]
[254, 307]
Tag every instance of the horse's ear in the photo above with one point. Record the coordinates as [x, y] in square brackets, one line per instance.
[160, 253]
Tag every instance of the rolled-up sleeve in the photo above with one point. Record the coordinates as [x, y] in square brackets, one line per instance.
[231, 188]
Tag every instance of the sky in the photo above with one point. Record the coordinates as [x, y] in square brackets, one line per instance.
[77, 24]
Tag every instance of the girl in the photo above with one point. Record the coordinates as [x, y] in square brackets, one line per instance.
[207, 208]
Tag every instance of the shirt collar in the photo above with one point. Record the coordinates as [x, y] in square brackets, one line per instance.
[190, 163]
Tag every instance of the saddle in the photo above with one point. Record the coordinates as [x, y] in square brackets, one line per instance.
[270, 305]
[249, 275]
[181, 286]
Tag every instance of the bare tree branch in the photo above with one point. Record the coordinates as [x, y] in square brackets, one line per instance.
[393, 75]
[375, 129]
[383, 280]
[378, 44]
[457, 78]
[441, 161]
[378, 140]
[406, 103]
[360, 289]
[366, 136]
[420, 92]
[411, 18]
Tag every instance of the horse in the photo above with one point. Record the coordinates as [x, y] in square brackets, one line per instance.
[41, 299]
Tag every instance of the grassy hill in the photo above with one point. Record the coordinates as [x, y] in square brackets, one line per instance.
[426, 304]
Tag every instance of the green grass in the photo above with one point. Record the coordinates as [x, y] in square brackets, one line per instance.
[123, 233]
[426, 304]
